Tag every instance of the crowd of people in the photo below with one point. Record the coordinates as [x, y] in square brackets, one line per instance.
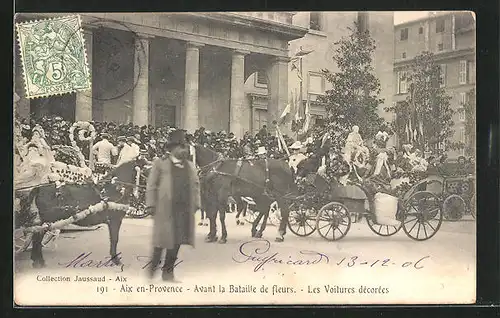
[116, 143]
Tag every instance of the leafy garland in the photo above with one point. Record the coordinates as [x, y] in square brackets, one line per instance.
[84, 128]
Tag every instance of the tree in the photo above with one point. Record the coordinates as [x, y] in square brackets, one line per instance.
[470, 123]
[425, 118]
[353, 99]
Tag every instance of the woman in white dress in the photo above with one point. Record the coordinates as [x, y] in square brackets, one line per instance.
[37, 157]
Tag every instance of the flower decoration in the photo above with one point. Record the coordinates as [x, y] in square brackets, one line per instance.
[86, 132]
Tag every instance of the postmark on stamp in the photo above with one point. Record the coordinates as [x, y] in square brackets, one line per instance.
[53, 56]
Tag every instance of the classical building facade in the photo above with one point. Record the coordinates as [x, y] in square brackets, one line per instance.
[183, 69]
[323, 30]
[223, 71]
[451, 37]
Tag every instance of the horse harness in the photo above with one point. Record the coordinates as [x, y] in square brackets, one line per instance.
[236, 175]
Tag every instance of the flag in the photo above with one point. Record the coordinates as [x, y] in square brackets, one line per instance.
[411, 131]
[407, 131]
[307, 122]
[296, 66]
[281, 140]
[284, 115]
[299, 111]
[280, 148]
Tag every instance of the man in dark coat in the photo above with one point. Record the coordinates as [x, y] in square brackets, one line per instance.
[173, 197]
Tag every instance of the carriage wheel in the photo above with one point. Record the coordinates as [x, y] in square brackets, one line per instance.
[423, 215]
[333, 217]
[454, 207]
[22, 241]
[472, 206]
[382, 230]
[301, 221]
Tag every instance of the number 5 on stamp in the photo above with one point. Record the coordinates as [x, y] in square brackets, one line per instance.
[53, 56]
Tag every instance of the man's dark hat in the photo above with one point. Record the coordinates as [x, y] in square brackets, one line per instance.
[177, 137]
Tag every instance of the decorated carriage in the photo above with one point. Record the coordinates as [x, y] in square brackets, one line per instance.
[406, 199]
[37, 165]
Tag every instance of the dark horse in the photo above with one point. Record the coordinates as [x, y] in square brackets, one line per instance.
[57, 203]
[265, 181]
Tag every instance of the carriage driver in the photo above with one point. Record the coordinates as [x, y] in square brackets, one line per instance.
[297, 156]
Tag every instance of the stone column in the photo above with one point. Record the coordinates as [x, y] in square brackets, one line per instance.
[236, 110]
[277, 86]
[192, 76]
[141, 78]
[83, 106]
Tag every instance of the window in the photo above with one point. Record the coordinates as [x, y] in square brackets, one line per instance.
[440, 25]
[403, 55]
[316, 85]
[461, 133]
[440, 46]
[472, 70]
[402, 82]
[462, 76]
[259, 119]
[314, 21]
[442, 75]
[463, 98]
[420, 30]
[404, 34]
[461, 114]
[261, 79]
[315, 119]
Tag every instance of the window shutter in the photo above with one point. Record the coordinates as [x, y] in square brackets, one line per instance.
[466, 72]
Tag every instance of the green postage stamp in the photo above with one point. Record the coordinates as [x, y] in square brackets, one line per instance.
[53, 56]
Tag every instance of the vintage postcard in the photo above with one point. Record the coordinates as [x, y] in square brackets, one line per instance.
[244, 158]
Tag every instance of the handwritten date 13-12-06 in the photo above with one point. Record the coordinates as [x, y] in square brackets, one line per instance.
[385, 262]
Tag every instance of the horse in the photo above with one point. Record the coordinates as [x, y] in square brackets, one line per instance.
[265, 180]
[55, 203]
[205, 159]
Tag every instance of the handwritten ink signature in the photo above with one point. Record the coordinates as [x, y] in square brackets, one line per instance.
[385, 262]
[259, 251]
[148, 260]
[83, 260]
